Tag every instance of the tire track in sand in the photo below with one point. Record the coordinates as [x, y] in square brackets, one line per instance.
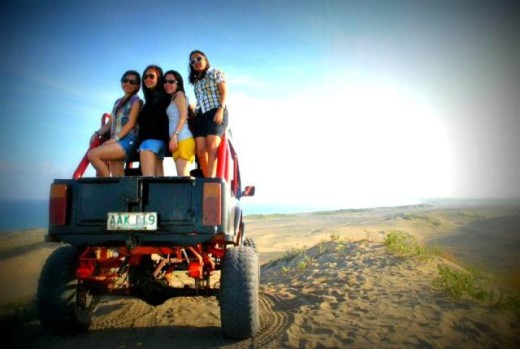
[273, 325]
[122, 312]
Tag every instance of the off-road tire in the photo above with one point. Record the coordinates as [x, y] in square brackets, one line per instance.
[238, 296]
[58, 309]
[251, 243]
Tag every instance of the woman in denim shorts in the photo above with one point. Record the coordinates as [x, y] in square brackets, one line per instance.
[121, 128]
[209, 125]
[153, 123]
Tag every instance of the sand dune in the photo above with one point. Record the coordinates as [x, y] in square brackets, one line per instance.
[338, 287]
[356, 295]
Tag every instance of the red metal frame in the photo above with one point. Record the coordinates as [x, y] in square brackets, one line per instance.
[227, 165]
[223, 157]
[100, 265]
[83, 164]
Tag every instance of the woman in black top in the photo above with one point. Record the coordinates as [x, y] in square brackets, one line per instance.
[153, 123]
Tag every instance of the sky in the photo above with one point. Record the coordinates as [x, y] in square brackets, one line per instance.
[332, 104]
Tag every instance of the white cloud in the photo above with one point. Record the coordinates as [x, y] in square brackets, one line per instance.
[354, 146]
[247, 82]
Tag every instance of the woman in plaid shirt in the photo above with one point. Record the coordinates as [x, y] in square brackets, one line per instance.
[209, 125]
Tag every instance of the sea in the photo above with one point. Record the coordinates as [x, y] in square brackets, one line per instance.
[23, 214]
[33, 214]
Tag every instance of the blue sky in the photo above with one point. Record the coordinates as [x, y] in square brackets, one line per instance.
[332, 103]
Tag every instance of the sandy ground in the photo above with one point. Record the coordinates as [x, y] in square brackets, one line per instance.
[341, 290]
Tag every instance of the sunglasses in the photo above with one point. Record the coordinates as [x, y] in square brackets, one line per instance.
[149, 76]
[171, 82]
[198, 59]
[129, 81]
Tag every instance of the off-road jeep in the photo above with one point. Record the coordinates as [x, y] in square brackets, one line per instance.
[132, 235]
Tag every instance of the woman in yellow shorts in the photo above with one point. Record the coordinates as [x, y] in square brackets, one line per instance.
[182, 144]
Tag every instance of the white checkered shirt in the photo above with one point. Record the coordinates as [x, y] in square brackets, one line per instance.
[206, 90]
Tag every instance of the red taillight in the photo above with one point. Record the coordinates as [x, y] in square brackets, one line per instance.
[211, 204]
[58, 204]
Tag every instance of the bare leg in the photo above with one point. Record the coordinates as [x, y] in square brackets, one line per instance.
[148, 162]
[159, 168]
[117, 168]
[202, 154]
[212, 144]
[182, 167]
[107, 152]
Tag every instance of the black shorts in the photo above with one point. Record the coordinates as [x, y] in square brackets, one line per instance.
[203, 125]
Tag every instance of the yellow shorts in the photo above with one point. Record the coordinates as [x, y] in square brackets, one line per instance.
[185, 150]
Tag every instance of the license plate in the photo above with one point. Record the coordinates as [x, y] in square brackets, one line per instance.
[132, 221]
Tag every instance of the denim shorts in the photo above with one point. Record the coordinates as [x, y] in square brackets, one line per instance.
[129, 145]
[156, 146]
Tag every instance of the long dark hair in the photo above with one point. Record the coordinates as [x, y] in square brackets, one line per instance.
[178, 77]
[150, 95]
[194, 75]
[180, 87]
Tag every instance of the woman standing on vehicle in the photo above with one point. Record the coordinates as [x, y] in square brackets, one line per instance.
[182, 144]
[153, 123]
[209, 126]
[122, 130]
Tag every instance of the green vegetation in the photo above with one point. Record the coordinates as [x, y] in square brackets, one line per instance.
[474, 285]
[347, 210]
[294, 253]
[428, 219]
[460, 283]
[402, 244]
[334, 237]
[298, 259]
[457, 282]
[305, 263]
[466, 214]
[266, 216]
[289, 256]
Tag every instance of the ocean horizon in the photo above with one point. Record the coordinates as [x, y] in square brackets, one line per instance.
[23, 214]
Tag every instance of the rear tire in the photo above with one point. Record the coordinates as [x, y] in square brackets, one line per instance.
[239, 293]
[64, 307]
[250, 242]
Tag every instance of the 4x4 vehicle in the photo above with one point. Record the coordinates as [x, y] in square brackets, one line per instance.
[132, 235]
